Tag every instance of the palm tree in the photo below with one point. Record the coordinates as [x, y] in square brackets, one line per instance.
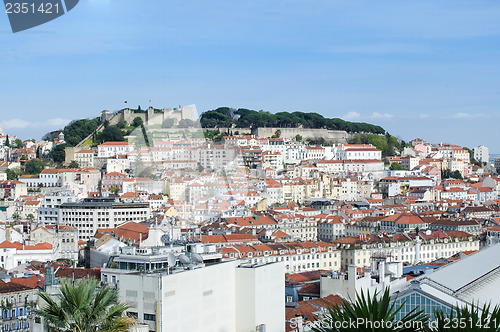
[467, 319]
[370, 313]
[16, 217]
[84, 307]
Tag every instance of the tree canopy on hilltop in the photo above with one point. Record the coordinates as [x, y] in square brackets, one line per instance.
[244, 118]
[77, 130]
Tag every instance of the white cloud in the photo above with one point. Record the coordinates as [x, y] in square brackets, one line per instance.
[15, 124]
[462, 115]
[55, 123]
[377, 115]
[379, 49]
[351, 116]
[424, 116]
[357, 116]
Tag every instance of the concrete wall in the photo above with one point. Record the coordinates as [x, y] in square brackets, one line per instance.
[335, 136]
[151, 117]
[220, 297]
[260, 297]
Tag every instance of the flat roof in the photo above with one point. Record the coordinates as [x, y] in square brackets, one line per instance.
[467, 270]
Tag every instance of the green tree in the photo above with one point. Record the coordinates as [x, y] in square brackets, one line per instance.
[34, 166]
[112, 134]
[30, 217]
[186, 123]
[73, 164]
[19, 143]
[298, 138]
[84, 307]
[16, 217]
[57, 154]
[77, 130]
[241, 118]
[396, 167]
[7, 142]
[168, 123]
[368, 308]
[137, 122]
[114, 190]
[14, 173]
[121, 124]
[447, 174]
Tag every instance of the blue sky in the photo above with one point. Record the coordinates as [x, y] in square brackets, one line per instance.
[426, 69]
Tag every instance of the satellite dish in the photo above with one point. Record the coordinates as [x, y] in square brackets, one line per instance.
[171, 260]
[197, 258]
[184, 259]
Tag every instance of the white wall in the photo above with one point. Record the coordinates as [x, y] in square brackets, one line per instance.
[257, 299]
[219, 297]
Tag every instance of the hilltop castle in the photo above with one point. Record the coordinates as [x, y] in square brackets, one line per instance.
[151, 116]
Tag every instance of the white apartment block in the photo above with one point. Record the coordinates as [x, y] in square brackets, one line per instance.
[87, 216]
[272, 160]
[360, 249]
[13, 254]
[215, 156]
[85, 158]
[297, 256]
[357, 151]
[220, 297]
[110, 149]
[65, 238]
[482, 154]
[48, 212]
[297, 226]
[330, 227]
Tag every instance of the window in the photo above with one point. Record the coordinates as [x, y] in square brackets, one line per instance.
[149, 317]
[289, 299]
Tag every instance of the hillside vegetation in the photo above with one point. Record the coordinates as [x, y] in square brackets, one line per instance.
[245, 118]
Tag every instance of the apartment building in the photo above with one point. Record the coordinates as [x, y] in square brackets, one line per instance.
[297, 256]
[93, 213]
[220, 297]
[110, 149]
[426, 247]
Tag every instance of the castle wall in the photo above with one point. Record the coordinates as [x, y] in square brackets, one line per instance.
[335, 136]
[151, 117]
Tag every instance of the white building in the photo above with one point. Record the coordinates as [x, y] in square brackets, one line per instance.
[64, 238]
[117, 164]
[482, 154]
[298, 256]
[381, 275]
[331, 227]
[94, 213]
[357, 151]
[85, 158]
[431, 245]
[110, 149]
[48, 212]
[220, 297]
[13, 254]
